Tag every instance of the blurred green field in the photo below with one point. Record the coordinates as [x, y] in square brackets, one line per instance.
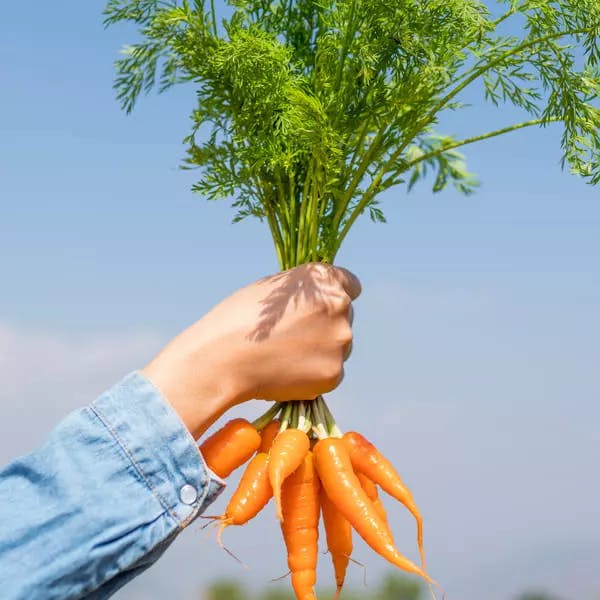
[391, 587]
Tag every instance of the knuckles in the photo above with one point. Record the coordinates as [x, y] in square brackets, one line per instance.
[331, 369]
[339, 303]
[332, 377]
[345, 335]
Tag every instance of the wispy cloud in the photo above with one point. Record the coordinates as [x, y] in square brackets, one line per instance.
[46, 374]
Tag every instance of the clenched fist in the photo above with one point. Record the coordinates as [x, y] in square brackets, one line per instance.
[284, 337]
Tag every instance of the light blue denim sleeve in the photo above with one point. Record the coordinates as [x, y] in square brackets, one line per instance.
[102, 499]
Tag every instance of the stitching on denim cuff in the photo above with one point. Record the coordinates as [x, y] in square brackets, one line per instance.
[131, 458]
[169, 407]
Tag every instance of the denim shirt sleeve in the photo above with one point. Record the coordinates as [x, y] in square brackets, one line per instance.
[101, 499]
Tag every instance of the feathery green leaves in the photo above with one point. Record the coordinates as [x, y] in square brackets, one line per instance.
[307, 110]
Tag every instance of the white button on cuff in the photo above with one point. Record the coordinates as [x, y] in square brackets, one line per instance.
[188, 494]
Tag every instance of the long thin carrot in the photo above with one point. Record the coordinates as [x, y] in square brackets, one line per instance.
[300, 526]
[339, 539]
[343, 489]
[367, 459]
[287, 453]
[268, 434]
[371, 490]
[230, 447]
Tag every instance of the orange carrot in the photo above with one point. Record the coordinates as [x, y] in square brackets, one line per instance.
[230, 447]
[300, 526]
[267, 435]
[339, 539]
[367, 485]
[252, 493]
[343, 488]
[367, 459]
[371, 490]
[287, 453]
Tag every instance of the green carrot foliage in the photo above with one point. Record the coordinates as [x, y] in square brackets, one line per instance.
[307, 110]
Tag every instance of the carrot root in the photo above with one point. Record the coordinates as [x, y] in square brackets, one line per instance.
[367, 459]
[287, 453]
[230, 447]
[300, 527]
[224, 524]
[344, 490]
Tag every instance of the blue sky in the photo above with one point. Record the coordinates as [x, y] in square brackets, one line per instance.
[475, 362]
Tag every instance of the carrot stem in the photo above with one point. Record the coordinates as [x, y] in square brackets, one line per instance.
[262, 421]
[321, 421]
[333, 429]
[294, 415]
[304, 420]
[285, 417]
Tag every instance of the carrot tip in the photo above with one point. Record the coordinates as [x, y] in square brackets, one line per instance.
[211, 520]
[281, 577]
[224, 523]
[278, 510]
[362, 566]
[437, 585]
[210, 530]
[243, 564]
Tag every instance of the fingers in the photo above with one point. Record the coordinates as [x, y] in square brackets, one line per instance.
[352, 287]
[349, 282]
[348, 351]
[323, 272]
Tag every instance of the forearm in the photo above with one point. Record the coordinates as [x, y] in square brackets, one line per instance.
[102, 499]
[197, 378]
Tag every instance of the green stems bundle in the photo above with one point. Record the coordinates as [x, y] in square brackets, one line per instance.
[313, 417]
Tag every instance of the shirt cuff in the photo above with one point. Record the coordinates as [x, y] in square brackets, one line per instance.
[159, 446]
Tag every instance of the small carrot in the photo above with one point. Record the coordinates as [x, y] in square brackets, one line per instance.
[371, 490]
[230, 447]
[367, 459]
[267, 435]
[300, 526]
[339, 539]
[343, 488]
[287, 453]
[251, 495]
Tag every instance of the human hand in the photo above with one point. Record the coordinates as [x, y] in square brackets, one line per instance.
[281, 338]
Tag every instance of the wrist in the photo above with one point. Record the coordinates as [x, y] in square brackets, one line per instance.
[199, 390]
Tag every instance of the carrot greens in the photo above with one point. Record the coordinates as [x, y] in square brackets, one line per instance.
[306, 111]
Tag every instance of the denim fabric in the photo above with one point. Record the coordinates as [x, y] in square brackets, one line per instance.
[102, 499]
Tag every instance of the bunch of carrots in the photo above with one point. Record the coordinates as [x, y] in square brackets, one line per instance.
[302, 460]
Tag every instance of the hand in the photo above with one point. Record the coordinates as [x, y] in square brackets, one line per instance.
[284, 337]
